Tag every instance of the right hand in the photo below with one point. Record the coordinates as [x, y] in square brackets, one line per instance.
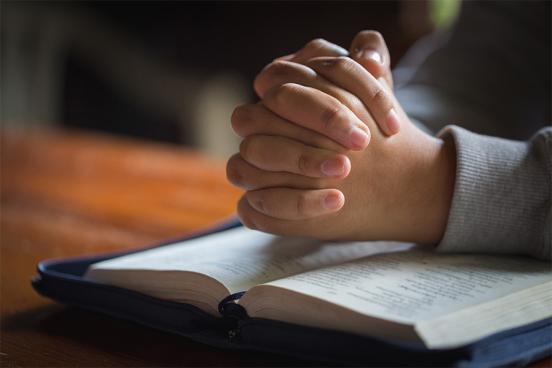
[368, 49]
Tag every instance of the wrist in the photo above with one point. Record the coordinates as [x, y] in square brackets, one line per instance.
[438, 188]
[417, 206]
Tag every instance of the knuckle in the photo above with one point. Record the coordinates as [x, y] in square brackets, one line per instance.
[288, 88]
[316, 44]
[277, 68]
[274, 71]
[303, 163]
[333, 116]
[241, 116]
[282, 93]
[344, 64]
[380, 98]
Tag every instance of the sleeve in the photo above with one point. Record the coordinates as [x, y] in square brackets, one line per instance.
[501, 201]
[491, 74]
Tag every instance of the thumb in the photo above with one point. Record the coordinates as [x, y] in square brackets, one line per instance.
[369, 50]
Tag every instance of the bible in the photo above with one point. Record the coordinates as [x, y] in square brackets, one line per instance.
[384, 290]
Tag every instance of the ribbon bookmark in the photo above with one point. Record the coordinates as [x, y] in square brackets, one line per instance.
[228, 307]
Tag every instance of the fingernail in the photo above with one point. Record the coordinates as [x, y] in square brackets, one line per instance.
[359, 138]
[370, 54]
[393, 123]
[333, 167]
[333, 201]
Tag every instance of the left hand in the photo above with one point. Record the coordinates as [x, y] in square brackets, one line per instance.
[388, 187]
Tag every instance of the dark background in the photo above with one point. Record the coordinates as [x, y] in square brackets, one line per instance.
[202, 37]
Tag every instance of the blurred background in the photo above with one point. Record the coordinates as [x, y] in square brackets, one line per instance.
[172, 71]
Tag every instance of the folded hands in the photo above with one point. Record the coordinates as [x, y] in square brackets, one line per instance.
[328, 151]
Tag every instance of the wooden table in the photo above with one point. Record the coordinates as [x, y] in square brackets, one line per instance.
[65, 194]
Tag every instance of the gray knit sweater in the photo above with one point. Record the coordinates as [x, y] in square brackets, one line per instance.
[490, 74]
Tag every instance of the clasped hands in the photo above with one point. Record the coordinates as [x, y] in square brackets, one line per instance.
[329, 153]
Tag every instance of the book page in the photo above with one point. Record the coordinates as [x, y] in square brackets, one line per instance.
[241, 258]
[407, 287]
[470, 324]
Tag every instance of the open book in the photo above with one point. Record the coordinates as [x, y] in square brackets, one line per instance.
[381, 289]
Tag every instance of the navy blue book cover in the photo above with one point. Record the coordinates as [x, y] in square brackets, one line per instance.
[62, 280]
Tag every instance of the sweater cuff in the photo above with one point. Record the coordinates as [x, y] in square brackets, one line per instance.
[495, 207]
